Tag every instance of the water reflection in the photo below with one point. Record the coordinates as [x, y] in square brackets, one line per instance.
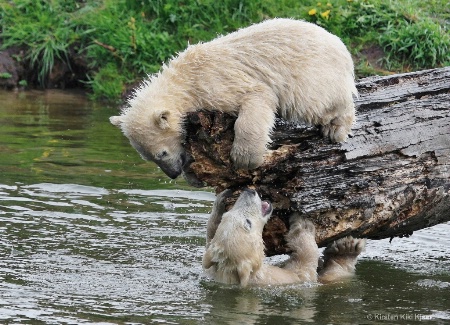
[57, 137]
[90, 234]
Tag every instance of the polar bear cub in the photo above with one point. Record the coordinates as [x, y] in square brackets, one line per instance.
[235, 249]
[285, 66]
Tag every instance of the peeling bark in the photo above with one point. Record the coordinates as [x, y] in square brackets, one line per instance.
[390, 178]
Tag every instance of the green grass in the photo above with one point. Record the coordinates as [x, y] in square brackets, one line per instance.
[420, 43]
[44, 27]
[124, 40]
[411, 38]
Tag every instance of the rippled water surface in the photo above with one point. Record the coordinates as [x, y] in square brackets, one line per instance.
[91, 234]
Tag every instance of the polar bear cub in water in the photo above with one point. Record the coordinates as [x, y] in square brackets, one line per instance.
[235, 249]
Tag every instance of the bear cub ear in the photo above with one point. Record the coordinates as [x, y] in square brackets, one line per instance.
[116, 120]
[161, 119]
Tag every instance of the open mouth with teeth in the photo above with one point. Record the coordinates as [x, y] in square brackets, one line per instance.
[266, 208]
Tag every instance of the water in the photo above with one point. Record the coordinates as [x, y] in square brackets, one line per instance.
[91, 234]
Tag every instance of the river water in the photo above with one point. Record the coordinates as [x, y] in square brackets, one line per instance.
[91, 234]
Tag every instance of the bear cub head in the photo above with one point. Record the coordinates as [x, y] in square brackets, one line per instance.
[250, 212]
[156, 136]
[237, 249]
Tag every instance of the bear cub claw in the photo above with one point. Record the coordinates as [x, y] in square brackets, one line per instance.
[347, 246]
[338, 129]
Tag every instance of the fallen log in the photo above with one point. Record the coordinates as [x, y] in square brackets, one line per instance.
[390, 178]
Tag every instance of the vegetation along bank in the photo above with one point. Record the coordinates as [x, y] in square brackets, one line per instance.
[107, 46]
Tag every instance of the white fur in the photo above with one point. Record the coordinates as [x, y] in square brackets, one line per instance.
[235, 249]
[287, 66]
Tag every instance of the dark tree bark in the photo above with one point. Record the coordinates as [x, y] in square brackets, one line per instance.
[390, 178]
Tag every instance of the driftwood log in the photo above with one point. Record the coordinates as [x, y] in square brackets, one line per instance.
[390, 178]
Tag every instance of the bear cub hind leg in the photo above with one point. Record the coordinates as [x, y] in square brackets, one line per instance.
[305, 253]
[339, 259]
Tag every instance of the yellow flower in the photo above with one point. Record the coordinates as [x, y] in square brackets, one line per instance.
[312, 12]
[325, 14]
[329, 5]
[319, 4]
[45, 154]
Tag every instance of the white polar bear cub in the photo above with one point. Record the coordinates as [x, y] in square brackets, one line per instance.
[235, 249]
[285, 66]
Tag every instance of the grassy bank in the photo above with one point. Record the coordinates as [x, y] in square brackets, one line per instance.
[121, 41]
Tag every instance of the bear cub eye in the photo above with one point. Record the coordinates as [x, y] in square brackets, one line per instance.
[161, 155]
[248, 224]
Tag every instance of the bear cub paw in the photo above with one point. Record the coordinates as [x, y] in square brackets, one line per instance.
[300, 226]
[347, 246]
[245, 157]
[338, 129]
[222, 196]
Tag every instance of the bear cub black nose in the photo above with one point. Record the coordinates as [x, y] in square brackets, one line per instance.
[250, 191]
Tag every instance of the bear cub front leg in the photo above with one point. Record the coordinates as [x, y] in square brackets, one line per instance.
[216, 215]
[252, 130]
[339, 258]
